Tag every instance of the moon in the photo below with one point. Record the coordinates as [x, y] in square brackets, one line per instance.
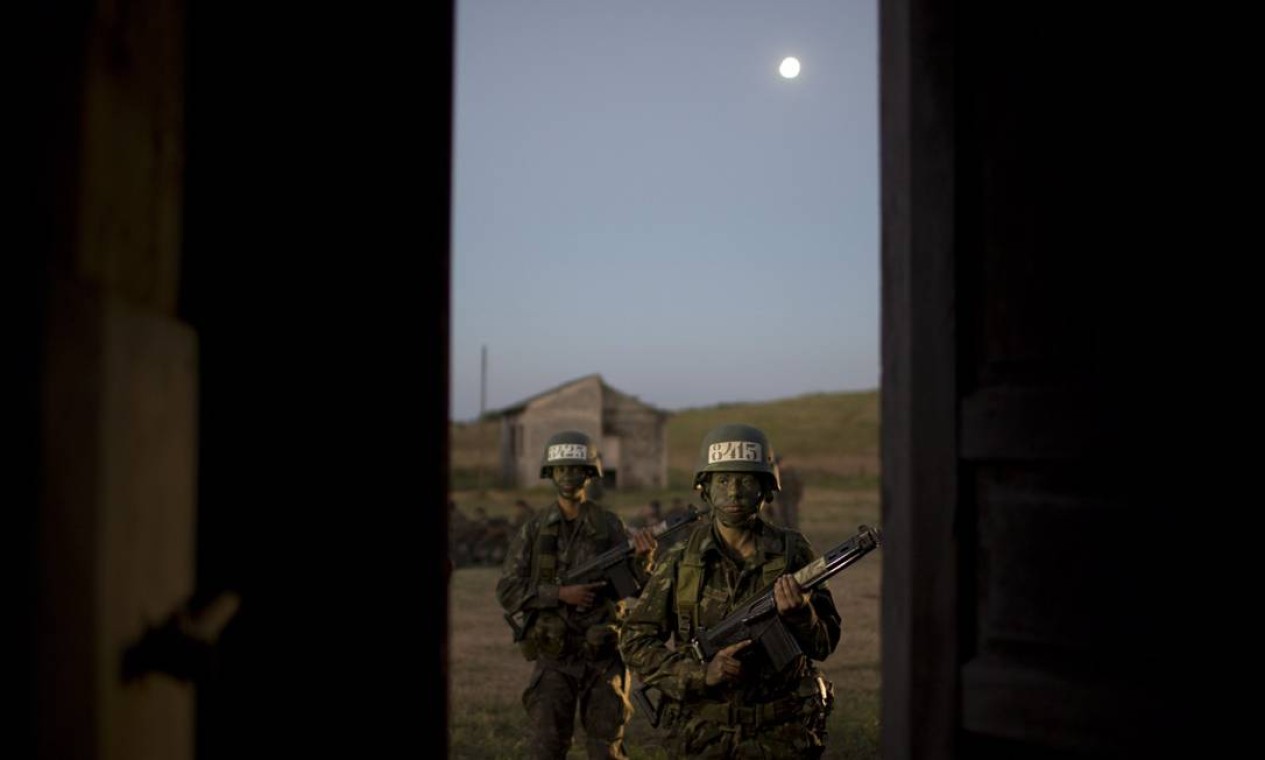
[789, 69]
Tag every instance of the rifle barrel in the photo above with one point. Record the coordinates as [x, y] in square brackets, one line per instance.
[612, 555]
[836, 559]
[762, 605]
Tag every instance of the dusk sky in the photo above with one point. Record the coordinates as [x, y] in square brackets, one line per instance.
[638, 192]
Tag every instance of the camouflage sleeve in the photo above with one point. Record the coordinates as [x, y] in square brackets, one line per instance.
[819, 628]
[644, 635]
[514, 589]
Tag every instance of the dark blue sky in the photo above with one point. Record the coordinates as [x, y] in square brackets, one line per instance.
[637, 192]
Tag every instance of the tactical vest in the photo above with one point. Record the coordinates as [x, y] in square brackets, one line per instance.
[548, 631]
[689, 579]
[544, 556]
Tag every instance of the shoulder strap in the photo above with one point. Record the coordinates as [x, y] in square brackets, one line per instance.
[776, 566]
[689, 583]
[544, 558]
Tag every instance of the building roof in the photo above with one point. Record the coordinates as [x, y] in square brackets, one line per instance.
[524, 403]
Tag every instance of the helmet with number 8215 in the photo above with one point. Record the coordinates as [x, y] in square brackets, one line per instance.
[570, 447]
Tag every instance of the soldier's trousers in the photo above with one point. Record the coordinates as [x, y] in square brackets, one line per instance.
[791, 741]
[597, 690]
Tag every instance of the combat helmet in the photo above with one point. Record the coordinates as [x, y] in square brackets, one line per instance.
[736, 448]
[570, 447]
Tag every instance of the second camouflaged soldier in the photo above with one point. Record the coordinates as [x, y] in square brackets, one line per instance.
[571, 631]
[736, 705]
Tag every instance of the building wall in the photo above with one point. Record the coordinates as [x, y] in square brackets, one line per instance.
[642, 434]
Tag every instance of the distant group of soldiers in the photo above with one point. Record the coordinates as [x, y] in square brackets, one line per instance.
[481, 540]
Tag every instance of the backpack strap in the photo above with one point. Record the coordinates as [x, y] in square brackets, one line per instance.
[689, 583]
[776, 566]
[545, 554]
[544, 558]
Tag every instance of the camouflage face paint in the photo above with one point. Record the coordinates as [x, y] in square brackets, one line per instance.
[568, 479]
[735, 496]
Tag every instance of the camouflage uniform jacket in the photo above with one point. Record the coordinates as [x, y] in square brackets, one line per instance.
[594, 531]
[725, 584]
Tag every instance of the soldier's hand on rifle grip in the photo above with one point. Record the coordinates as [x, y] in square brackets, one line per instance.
[582, 595]
[726, 666]
[644, 542]
[792, 601]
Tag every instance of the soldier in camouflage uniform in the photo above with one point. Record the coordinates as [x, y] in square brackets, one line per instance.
[571, 631]
[735, 705]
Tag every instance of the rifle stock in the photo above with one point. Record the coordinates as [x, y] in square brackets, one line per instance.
[758, 619]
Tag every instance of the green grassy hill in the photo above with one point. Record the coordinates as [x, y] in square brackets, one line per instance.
[831, 437]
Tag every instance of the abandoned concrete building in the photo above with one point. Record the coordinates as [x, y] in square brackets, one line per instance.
[631, 435]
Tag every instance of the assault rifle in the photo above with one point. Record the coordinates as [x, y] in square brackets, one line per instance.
[758, 620]
[610, 566]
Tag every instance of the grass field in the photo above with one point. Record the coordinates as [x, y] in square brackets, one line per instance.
[488, 675]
